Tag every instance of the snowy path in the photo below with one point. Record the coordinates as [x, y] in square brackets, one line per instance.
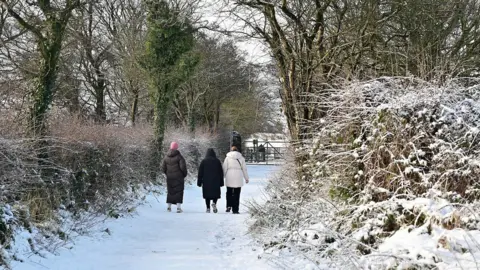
[156, 239]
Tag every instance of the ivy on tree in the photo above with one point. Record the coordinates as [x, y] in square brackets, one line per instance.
[49, 36]
[169, 60]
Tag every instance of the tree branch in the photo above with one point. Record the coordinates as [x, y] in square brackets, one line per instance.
[22, 22]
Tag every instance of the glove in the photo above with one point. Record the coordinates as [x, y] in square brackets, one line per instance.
[246, 181]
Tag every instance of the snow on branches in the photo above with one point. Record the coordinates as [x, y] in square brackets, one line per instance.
[400, 137]
[391, 156]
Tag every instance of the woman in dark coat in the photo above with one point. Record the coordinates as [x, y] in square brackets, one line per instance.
[210, 178]
[175, 168]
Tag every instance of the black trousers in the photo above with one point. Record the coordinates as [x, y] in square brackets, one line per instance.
[207, 202]
[233, 198]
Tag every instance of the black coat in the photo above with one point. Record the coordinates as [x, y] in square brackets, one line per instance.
[175, 168]
[210, 176]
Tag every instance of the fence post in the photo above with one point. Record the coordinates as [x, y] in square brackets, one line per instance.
[266, 154]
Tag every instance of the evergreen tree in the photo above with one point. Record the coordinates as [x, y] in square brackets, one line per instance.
[169, 60]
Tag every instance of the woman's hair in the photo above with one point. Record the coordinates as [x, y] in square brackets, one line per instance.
[234, 148]
[211, 153]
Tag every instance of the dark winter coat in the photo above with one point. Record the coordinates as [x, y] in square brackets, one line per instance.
[210, 176]
[175, 168]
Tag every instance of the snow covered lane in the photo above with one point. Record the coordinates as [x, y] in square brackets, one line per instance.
[156, 239]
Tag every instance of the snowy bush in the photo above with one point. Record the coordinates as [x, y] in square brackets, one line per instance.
[83, 178]
[192, 146]
[89, 172]
[390, 156]
[400, 137]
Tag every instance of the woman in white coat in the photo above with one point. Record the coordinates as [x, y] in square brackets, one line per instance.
[235, 170]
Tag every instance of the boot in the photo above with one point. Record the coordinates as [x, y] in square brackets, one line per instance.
[214, 206]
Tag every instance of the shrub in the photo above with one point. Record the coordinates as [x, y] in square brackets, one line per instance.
[192, 146]
[82, 168]
[399, 136]
[390, 155]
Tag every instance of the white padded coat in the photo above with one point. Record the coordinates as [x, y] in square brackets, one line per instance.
[235, 170]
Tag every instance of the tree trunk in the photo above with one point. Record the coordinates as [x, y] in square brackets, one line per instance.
[134, 109]
[159, 125]
[160, 119]
[72, 96]
[216, 117]
[100, 115]
[191, 122]
[43, 93]
[99, 87]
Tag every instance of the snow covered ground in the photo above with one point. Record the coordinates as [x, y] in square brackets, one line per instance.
[156, 239]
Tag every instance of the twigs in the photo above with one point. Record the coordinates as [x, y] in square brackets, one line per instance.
[389, 155]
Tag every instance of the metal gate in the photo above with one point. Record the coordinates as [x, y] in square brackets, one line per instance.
[264, 153]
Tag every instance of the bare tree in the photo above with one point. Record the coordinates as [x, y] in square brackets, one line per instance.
[295, 31]
[434, 40]
[316, 44]
[221, 75]
[47, 22]
[130, 88]
[94, 46]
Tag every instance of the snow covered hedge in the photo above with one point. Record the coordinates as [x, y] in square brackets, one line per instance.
[91, 172]
[393, 156]
[78, 182]
[400, 137]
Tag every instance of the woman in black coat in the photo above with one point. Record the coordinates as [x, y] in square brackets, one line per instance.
[210, 178]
